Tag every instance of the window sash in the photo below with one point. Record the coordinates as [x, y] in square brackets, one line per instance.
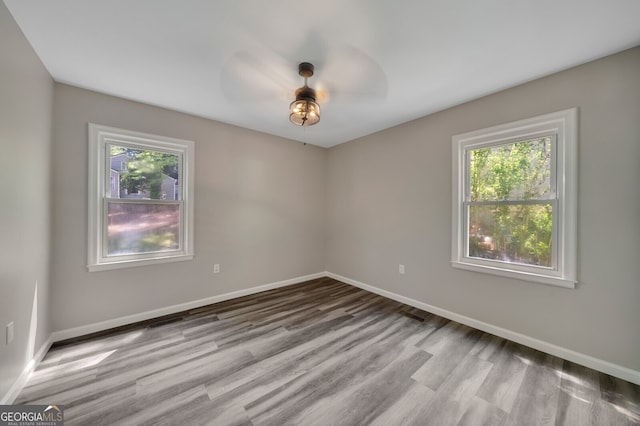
[513, 265]
[146, 254]
[493, 143]
[144, 147]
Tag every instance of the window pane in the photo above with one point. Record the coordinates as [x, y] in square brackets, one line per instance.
[142, 228]
[511, 233]
[514, 171]
[143, 174]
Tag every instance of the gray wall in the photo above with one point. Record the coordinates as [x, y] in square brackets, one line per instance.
[259, 212]
[389, 202]
[26, 97]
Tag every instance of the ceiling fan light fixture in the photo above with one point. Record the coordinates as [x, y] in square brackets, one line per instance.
[305, 111]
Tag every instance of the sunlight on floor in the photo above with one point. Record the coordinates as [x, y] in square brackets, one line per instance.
[89, 362]
[635, 416]
[72, 366]
[570, 377]
[85, 348]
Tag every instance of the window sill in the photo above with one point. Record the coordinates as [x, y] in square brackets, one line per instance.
[137, 262]
[518, 275]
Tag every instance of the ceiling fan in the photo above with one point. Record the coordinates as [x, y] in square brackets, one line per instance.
[305, 111]
[343, 76]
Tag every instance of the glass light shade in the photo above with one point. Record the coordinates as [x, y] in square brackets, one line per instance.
[304, 112]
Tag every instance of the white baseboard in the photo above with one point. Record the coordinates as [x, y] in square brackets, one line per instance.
[82, 330]
[597, 364]
[15, 390]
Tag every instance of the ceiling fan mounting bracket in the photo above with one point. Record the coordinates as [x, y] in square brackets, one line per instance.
[305, 69]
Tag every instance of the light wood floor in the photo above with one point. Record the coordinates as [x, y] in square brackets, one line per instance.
[320, 353]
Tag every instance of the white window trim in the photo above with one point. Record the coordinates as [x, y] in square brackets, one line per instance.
[563, 124]
[99, 137]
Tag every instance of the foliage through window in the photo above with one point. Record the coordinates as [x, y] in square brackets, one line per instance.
[511, 202]
[140, 201]
[515, 214]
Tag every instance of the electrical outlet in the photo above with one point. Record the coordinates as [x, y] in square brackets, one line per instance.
[216, 268]
[401, 269]
[10, 332]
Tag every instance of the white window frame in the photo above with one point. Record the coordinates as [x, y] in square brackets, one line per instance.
[99, 190]
[562, 127]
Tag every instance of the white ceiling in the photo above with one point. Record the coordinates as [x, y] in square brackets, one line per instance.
[378, 63]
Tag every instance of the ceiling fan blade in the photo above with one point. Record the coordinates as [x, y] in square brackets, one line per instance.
[251, 77]
[322, 95]
[342, 74]
[350, 74]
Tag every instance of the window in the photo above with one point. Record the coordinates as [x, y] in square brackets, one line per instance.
[514, 199]
[140, 199]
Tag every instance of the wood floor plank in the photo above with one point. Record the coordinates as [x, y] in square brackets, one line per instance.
[285, 365]
[374, 396]
[487, 345]
[482, 413]
[192, 373]
[451, 346]
[457, 392]
[412, 408]
[580, 403]
[537, 399]
[103, 409]
[319, 353]
[317, 395]
[43, 389]
[505, 378]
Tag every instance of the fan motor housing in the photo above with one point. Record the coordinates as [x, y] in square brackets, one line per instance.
[305, 93]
